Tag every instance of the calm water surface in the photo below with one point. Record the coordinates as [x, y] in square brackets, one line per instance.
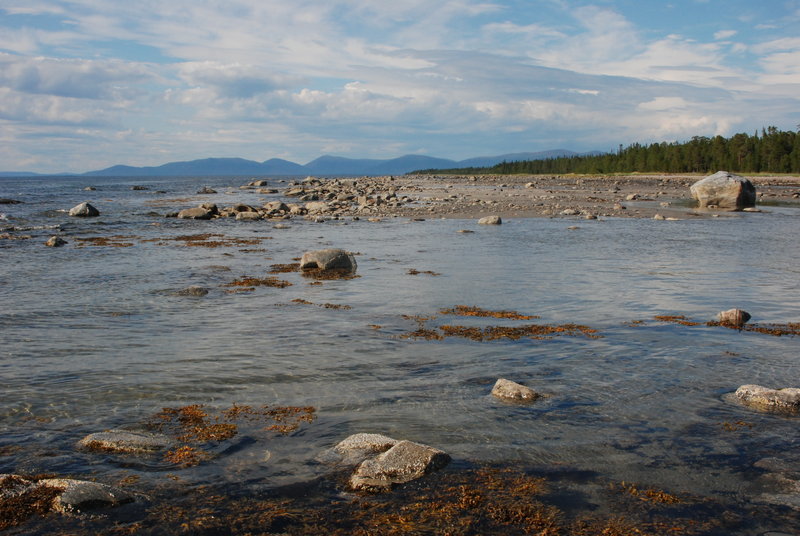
[94, 337]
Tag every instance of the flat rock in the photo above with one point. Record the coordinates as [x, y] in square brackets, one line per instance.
[194, 290]
[508, 390]
[125, 441]
[328, 259]
[490, 220]
[372, 443]
[196, 213]
[70, 495]
[404, 462]
[787, 399]
[80, 495]
[248, 216]
[84, 210]
[724, 190]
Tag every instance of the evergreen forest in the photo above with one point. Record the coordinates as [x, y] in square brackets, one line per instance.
[771, 151]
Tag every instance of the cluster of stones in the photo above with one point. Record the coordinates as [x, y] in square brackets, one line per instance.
[384, 462]
[316, 198]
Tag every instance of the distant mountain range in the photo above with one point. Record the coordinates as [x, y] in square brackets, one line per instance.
[324, 165]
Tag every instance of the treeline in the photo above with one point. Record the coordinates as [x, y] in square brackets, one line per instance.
[773, 151]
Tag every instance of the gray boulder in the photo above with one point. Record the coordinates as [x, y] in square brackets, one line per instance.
[196, 213]
[55, 242]
[724, 190]
[125, 441]
[508, 390]
[84, 210]
[328, 259]
[766, 398]
[734, 317]
[194, 290]
[490, 220]
[404, 462]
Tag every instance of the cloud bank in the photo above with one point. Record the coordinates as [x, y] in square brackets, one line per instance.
[85, 84]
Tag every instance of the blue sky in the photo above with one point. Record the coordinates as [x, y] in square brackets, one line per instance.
[85, 84]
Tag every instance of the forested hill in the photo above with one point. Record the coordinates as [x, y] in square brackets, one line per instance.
[771, 151]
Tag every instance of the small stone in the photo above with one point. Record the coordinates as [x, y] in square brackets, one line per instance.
[632, 197]
[508, 390]
[659, 217]
[248, 216]
[205, 190]
[139, 188]
[84, 210]
[55, 242]
[364, 444]
[734, 317]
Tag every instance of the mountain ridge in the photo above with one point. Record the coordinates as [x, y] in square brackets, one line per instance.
[323, 165]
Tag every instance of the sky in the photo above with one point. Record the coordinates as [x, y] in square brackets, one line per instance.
[86, 84]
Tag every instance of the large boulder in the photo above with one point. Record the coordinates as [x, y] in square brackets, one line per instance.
[766, 398]
[724, 190]
[328, 259]
[84, 210]
[404, 462]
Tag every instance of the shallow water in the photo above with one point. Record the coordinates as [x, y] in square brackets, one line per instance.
[94, 337]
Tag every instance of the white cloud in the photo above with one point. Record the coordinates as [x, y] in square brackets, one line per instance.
[724, 34]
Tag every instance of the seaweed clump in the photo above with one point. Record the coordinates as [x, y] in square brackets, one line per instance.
[20, 501]
[466, 310]
[194, 427]
[247, 283]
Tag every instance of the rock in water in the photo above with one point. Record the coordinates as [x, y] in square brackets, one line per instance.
[724, 190]
[328, 259]
[65, 495]
[766, 398]
[490, 220]
[84, 210]
[125, 441]
[734, 317]
[404, 462]
[508, 390]
[197, 213]
[55, 242]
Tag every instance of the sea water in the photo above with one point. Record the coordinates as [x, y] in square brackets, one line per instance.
[95, 335]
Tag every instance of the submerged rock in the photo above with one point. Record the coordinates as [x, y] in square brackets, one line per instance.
[734, 317]
[61, 495]
[328, 259]
[84, 210]
[508, 390]
[193, 290]
[724, 190]
[205, 190]
[490, 220]
[125, 441]
[404, 462]
[766, 398]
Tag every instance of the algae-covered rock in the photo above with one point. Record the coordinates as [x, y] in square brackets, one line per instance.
[787, 399]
